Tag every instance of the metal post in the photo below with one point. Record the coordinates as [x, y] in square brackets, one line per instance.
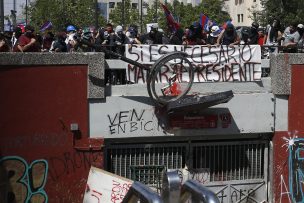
[156, 15]
[139, 191]
[1, 15]
[26, 12]
[141, 16]
[123, 13]
[96, 13]
[171, 187]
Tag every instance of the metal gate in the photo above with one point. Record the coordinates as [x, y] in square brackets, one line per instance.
[236, 170]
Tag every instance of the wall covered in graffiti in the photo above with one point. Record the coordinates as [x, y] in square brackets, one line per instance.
[41, 159]
[288, 153]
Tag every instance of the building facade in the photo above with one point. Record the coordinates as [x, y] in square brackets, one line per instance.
[241, 11]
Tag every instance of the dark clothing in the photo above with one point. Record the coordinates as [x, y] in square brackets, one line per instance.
[253, 36]
[60, 46]
[211, 40]
[229, 38]
[155, 38]
[175, 40]
[177, 37]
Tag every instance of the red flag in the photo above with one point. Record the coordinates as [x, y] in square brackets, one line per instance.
[170, 20]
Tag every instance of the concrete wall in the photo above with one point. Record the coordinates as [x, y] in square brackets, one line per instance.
[55, 113]
[288, 69]
[43, 158]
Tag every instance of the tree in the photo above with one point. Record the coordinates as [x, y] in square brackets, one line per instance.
[184, 14]
[63, 12]
[123, 14]
[288, 12]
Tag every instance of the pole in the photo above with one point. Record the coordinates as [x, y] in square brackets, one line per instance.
[25, 12]
[141, 16]
[156, 15]
[123, 13]
[96, 14]
[1, 15]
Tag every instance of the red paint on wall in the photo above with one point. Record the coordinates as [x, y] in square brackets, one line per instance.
[37, 106]
[295, 115]
[296, 99]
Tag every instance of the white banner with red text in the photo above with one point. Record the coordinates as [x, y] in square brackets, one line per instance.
[241, 63]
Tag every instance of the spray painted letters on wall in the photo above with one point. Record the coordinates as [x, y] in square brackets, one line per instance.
[214, 64]
[296, 169]
[114, 120]
[23, 182]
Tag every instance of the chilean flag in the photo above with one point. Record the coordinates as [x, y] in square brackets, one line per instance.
[170, 20]
[47, 25]
[204, 21]
[226, 23]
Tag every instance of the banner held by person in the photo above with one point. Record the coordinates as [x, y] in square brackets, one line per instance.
[241, 63]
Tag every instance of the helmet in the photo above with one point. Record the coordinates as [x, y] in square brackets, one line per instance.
[118, 29]
[215, 31]
[71, 28]
[255, 25]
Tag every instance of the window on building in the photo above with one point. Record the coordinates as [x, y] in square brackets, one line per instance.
[236, 2]
[145, 5]
[239, 18]
[242, 18]
[254, 0]
[134, 5]
[111, 4]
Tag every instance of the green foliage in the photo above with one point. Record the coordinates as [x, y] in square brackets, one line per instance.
[126, 16]
[291, 11]
[184, 14]
[63, 12]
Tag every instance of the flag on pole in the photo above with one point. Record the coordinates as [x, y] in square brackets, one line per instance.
[205, 22]
[47, 25]
[226, 23]
[173, 26]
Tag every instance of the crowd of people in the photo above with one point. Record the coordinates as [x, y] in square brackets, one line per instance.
[72, 39]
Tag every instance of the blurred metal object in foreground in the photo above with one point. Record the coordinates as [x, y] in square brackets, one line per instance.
[171, 187]
[139, 191]
[197, 193]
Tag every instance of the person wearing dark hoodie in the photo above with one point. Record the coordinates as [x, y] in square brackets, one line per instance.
[274, 33]
[59, 44]
[228, 36]
[177, 37]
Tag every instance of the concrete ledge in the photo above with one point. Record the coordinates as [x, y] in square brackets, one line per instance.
[280, 71]
[95, 62]
[263, 86]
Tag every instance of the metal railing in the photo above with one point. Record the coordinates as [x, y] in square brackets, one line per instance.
[206, 162]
